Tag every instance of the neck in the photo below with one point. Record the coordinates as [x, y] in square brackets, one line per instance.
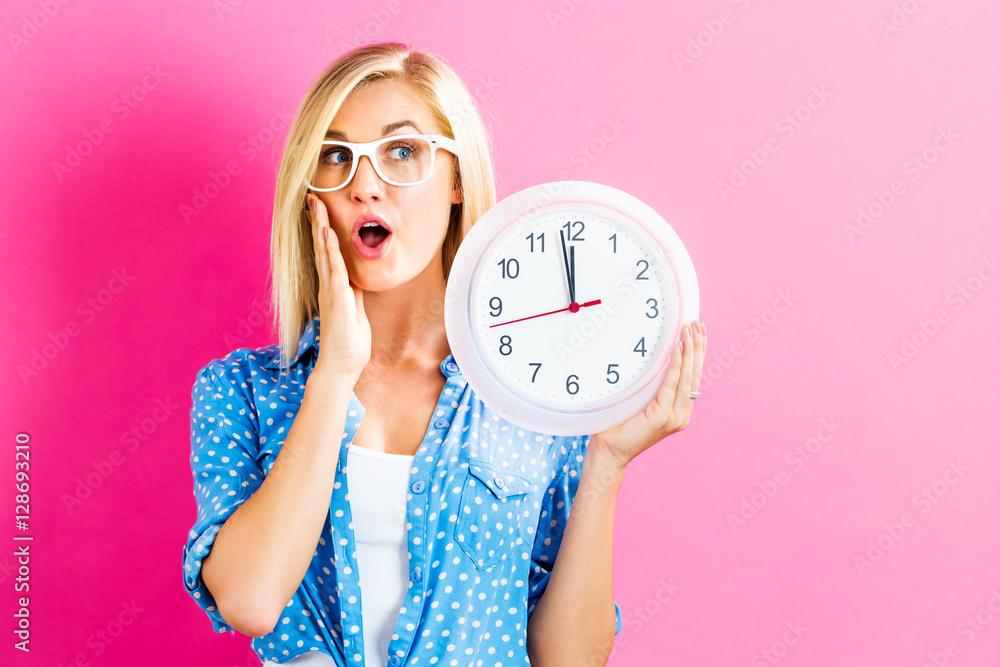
[407, 322]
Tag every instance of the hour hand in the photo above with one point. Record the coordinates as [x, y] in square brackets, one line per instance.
[569, 271]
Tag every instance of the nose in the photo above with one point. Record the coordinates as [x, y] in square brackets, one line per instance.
[366, 182]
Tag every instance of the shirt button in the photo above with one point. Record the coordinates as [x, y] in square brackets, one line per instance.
[440, 423]
[451, 366]
[394, 661]
[417, 487]
[498, 482]
[415, 575]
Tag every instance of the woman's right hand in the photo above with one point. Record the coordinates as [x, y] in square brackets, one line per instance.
[345, 344]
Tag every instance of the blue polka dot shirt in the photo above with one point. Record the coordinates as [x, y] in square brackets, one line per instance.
[486, 509]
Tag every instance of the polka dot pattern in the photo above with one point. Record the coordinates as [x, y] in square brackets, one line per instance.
[486, 511]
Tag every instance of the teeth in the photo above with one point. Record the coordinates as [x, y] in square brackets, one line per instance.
[371, 224]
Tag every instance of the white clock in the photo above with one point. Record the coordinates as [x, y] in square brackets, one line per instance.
[563, 303]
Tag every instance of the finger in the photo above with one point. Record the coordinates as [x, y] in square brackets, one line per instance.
[333, 260]
[666, 394]
[682, 399]
[321, 257]
[700, 346]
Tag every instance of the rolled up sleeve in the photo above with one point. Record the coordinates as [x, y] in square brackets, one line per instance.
[224, 468]
[554, 514]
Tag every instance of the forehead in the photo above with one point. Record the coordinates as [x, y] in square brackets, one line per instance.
[368, 110]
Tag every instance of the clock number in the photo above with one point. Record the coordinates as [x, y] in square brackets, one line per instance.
[640, 346]
[541, 241]
[652, 305]
[538, 365]
[611, 370]
[574, 236]
[571, 385]
[509, 268]
[640, 276]
[505, 343]
[614, 242]
[495, 310]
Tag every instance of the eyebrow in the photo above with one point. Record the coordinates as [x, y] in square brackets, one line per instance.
[391, 127]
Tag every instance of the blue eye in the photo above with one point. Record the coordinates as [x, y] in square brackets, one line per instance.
[336, 155]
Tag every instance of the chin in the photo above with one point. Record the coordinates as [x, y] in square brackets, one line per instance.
[376, 277]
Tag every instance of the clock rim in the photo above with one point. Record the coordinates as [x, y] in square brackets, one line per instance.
[523, 409]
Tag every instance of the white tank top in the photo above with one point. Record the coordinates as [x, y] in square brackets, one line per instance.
[377, 484]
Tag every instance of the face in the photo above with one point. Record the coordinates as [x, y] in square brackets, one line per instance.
[416, 215]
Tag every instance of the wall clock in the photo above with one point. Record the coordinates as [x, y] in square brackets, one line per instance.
[563, 303]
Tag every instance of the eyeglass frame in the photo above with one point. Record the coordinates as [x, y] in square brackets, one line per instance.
[368, 148]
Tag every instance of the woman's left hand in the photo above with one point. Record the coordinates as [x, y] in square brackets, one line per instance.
[670, 409]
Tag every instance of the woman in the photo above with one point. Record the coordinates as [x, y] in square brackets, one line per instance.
[442, 550]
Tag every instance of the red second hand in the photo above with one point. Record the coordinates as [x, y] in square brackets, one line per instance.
[569, 308]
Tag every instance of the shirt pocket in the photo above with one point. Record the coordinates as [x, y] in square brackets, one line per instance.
[491, 512]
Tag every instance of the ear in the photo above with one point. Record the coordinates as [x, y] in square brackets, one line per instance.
[457, 196]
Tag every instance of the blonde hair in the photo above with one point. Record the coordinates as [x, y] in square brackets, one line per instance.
[295, 286]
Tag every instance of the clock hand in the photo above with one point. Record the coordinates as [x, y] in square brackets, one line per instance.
[572, 276]
[569, 277]
[569, 308]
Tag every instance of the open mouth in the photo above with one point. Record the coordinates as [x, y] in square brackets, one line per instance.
[372, 234]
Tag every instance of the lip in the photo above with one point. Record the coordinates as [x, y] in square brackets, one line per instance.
[363, 250]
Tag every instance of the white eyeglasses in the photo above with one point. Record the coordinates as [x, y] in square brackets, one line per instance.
[406, 159]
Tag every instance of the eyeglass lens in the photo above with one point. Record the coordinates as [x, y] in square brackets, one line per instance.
[402, 160]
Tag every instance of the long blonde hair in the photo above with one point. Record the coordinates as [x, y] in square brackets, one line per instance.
[295, 287]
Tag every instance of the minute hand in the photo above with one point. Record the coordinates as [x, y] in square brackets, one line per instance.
[570, 277]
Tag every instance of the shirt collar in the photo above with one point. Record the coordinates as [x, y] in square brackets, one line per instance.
[310, 339]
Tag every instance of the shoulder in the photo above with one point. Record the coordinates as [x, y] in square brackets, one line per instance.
[242, 364]
[237, 376]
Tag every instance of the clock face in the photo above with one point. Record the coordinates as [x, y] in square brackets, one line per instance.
[573, 351]
[563, 303]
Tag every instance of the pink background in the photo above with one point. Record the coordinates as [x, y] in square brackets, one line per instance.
[803, 319]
